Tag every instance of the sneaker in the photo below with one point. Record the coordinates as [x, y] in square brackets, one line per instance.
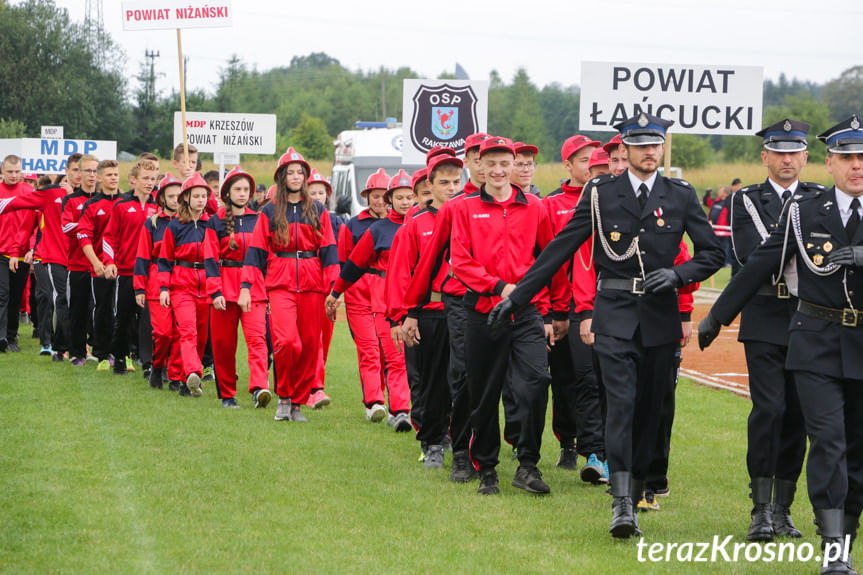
[57, 357]
[592, 470]
[376, 413]
[3, 345]
[78, 361]
[119, 367]
[45, 350]
[183, 390]
[207, 374]
[568, 459]
[530, 479]
[283, 412]
[447, 443]
[262, 397]
[463, 470]
[663, 492]
[91, 357]
[604, 477]
[402, 422]
[488, 482]
[434, 457]
[104, 365]
[174, 385]
[130, 364]
[318, 399]
[648, 502]
[230, 402]
[193, 382]
[297, 415]
[155, 378]
[13, 346]
[423, 450]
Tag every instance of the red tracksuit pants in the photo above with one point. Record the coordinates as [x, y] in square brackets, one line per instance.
[165, 338]
[381, 363]
[326, 339]
[191, 321]
[223, 327]
[295, 327]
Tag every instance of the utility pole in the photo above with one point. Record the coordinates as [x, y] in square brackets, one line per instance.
[383, 95]
[151, 83]
[95, 27]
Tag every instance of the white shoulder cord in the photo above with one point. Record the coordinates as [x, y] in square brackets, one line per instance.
[596, 225]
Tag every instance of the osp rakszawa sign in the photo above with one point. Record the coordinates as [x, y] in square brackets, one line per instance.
[722, 100]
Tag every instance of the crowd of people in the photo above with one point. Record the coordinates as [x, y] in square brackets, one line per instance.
[462, 293]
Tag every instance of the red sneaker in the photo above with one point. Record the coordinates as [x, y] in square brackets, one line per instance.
[318, 399]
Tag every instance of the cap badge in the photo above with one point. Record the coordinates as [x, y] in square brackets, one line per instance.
[855, 123]
[642, 120]
[787, 126]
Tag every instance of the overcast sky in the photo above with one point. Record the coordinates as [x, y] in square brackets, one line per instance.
[804, 39]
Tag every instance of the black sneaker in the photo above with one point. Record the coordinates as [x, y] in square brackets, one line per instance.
[155, 378]
[57, 357]
[568, 458]
[488, 483]
[119, 367]
[183, 390]
[434, 457]
[530, 479]
[174, 385]
[13, 346]
[463, 470]
[230, 402]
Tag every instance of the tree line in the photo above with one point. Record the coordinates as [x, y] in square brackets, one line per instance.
[53, 75]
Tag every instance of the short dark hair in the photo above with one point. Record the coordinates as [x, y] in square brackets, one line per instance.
[736, 181]
[211, 175]
[444, 167]
[74, 158]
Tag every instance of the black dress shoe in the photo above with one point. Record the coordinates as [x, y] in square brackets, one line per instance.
[622, 515]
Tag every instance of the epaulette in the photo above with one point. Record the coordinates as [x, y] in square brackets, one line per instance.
[603, 179]
[753, 188]
[681, 182]
[809, 188]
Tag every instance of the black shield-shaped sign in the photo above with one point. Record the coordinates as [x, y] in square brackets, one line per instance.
[443, 116]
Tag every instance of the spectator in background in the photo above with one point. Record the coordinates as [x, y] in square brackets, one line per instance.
[259, 197]
[736, 184]
[212, 179]
[707, 198]
[718, 216]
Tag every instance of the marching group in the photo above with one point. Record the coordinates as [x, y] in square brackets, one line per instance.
[460, 294]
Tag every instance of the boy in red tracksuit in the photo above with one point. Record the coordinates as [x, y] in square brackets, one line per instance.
[95, 216]
[496, 234]
[120, 248]
[371, 256]
[320, 190]
[227, 240]
[293, 254]
[146, 283]
[426, 327]
[358, 299]
[182, 283]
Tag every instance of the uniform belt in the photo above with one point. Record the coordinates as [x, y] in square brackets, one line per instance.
[435, 297]
[633, 285]
[190, 265]
[779, 291]
[231, 263]
[376, 272]
[297, 255]
[847, 317]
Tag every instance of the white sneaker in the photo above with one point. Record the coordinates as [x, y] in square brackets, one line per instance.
[283, 412]
[376, 413]
[193, 382]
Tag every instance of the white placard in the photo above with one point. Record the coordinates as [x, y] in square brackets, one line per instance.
[231, 133]
[52, 132]
[226, 158]
[48, 156]
[722, 100]
[441, 113]
[169, 14]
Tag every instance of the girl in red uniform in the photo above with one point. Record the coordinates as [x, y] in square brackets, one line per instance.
[228, 235]
[182, 283]
[293, 253]
[146, 284]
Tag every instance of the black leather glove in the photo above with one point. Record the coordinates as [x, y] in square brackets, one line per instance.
[664, 279]
[847, 256]
[708, 329]
[499, 316]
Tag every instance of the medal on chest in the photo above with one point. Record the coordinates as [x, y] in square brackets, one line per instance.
[658, 213]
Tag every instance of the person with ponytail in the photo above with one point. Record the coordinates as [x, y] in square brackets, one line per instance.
[226, 242]
[182, 284]
[293, 254]
[146, 284]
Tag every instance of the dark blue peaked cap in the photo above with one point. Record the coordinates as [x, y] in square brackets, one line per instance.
[845, 137]
[785, 136]
[643, 129]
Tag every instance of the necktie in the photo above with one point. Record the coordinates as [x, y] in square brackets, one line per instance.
[854, 220]
[642, 196]
[786, 195]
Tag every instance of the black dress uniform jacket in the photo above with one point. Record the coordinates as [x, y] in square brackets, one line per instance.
[672, 208]
[765, 318]
[817, 345]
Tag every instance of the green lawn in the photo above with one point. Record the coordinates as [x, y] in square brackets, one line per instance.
[100, 474]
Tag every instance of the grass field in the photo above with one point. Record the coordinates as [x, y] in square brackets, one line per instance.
[101, 474]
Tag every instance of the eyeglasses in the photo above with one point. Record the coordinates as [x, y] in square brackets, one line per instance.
[91, 172]
[525, 165]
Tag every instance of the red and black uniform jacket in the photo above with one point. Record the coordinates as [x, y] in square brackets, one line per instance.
[120, 240]
[95, 217]
[71, 208]
[181, 257]
[15, 230]
[360, 293]
[494, 243]
[53, 246]
[223, 264]
[370, 258]
[146, 279]
[307, 262]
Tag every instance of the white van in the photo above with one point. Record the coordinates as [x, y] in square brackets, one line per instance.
[360, 153]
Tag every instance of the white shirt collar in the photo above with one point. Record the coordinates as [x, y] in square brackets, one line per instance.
[636, 182]
[780, 190]
[843, 202]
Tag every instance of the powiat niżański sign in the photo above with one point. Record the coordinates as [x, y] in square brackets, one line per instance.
[212, 132]
[722, 100]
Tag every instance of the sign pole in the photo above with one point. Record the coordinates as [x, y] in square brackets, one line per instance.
[183, 98]
[222, 170]
[667, 173]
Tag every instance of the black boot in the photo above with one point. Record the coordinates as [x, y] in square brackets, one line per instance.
[783, 497]
[636, 493]
[832, 534]
[155, 378]
[850, 525]
[761, 527]
[622, 516]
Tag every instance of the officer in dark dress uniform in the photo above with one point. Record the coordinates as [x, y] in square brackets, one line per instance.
[777, 438]
[637, 220]
[821, 233]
